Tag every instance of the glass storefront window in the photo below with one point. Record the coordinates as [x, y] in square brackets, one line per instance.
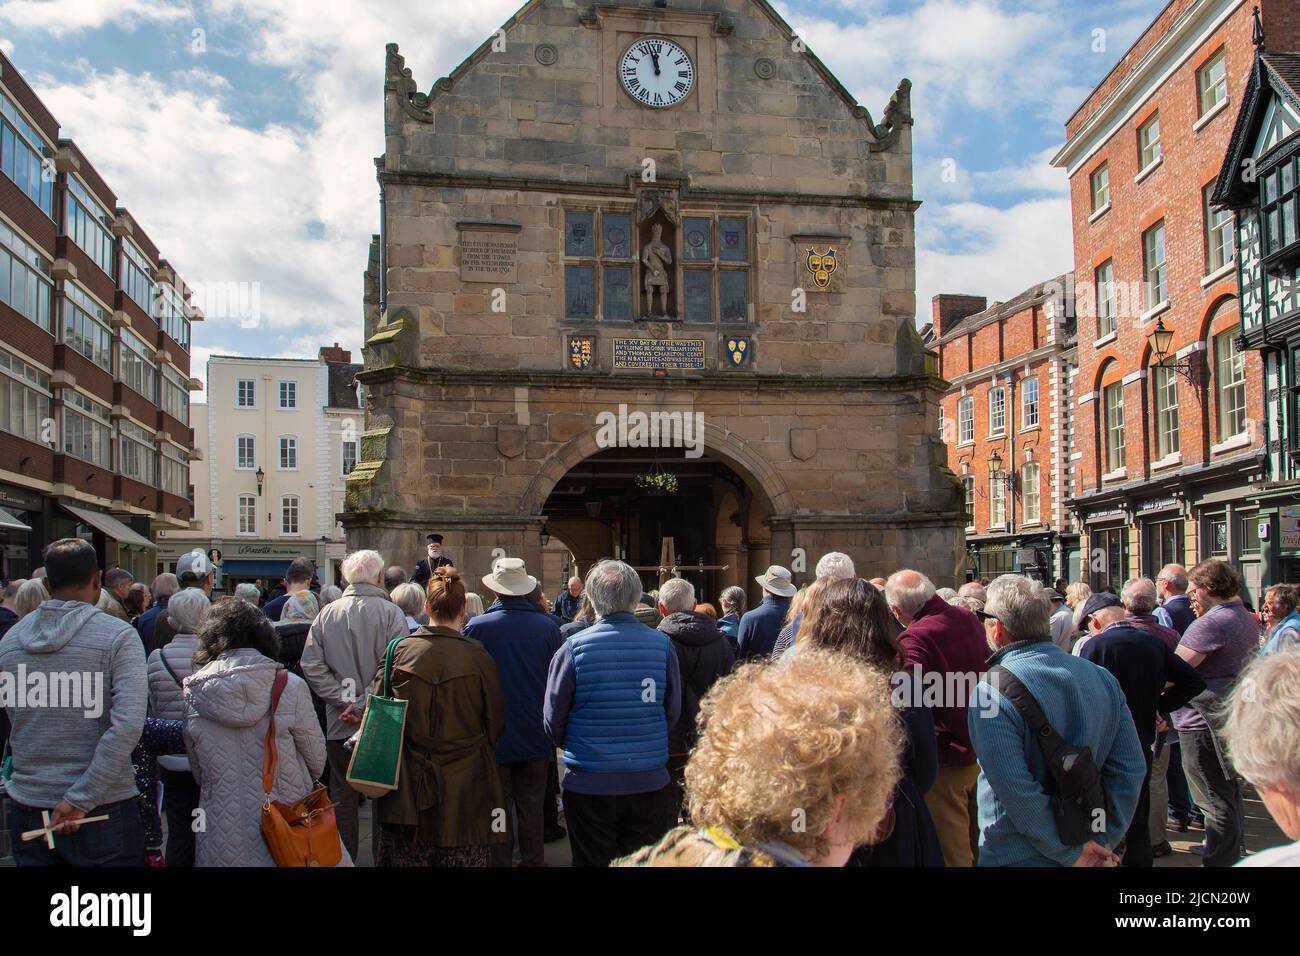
[1164, 545]
[1108, 558]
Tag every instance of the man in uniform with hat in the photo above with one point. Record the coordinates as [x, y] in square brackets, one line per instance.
[436, 559]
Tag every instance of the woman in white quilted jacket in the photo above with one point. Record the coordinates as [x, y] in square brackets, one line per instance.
[227, 711]
[168, 668]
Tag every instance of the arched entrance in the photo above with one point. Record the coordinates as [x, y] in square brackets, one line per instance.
[712, 522]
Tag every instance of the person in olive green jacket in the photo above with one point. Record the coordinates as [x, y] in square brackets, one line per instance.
[448, 808]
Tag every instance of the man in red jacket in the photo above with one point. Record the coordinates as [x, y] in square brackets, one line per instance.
[945, 647]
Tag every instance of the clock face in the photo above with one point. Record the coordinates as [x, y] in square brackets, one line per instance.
[657, 73]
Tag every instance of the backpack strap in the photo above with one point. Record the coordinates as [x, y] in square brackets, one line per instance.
[269, 755]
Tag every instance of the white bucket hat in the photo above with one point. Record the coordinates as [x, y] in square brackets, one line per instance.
[510, 577]
[777, 580]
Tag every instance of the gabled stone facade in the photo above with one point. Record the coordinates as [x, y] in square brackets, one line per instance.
[520, 197]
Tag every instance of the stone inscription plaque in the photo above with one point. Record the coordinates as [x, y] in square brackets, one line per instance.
[659, 353]
[488, 256]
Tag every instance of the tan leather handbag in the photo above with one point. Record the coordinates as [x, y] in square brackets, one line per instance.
[297, 834]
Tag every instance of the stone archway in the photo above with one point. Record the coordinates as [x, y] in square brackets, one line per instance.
[721, 523]
[727, 446]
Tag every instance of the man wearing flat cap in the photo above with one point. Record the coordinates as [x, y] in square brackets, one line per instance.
[435, 559]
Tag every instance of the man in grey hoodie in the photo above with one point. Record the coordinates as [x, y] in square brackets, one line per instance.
[72, 680]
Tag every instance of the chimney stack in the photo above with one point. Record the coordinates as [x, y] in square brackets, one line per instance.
[947, 310]
[335, 354]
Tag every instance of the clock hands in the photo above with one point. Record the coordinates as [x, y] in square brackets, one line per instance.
[655, 56]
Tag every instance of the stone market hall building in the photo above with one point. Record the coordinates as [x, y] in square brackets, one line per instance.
[674, 216]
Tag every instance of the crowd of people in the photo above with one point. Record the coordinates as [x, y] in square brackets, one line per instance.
[849, 721]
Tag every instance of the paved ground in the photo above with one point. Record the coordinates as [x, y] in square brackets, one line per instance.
[1261, 833]
[557, 853]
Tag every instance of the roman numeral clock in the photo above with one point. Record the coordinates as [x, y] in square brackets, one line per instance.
[657, 73]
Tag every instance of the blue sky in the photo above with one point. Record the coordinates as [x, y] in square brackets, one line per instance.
[241, 133]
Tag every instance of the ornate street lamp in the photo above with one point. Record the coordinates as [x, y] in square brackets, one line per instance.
[1161, 340]
[997, 474]
[261, 477]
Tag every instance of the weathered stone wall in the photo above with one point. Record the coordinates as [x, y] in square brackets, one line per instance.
[866, 329]
[503, 113]
[832, 422]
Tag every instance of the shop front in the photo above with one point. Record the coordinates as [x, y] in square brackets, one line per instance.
[988, 556]
[262, 563]
[1199, 513]
[117, 542]
[1106, 547]
[20, 532]
[1276, 533]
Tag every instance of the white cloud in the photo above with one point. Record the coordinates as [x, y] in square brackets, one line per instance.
[981, 250]
[293, 206]
[290, 208]
[223, 202]
[60, 17]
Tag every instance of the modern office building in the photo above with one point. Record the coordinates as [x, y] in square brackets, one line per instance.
[95, 437]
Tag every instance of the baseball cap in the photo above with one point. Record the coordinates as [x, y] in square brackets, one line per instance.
[195, 562]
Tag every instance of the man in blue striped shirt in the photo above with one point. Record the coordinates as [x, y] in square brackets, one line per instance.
[1085, 705]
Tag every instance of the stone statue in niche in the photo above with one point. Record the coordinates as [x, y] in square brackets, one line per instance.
[657, 258]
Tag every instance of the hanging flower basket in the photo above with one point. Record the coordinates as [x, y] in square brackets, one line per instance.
[657, 483]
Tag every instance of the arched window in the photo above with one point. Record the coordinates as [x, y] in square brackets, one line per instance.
[1029, 402]
[1164, 407]
[1229, 384]
[1111, 418]
[966, 420]
[997, 501]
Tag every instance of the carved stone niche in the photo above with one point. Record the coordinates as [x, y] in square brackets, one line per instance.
[657, 215]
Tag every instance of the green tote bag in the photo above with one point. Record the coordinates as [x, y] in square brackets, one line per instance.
[376, 762]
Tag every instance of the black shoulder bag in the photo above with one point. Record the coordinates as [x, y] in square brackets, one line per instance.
[1079, 800]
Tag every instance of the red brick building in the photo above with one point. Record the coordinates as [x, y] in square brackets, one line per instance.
[1009, 366]
[95, 379]
[1168, 440]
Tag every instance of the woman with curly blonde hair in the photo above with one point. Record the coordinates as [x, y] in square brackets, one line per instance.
[794, 766]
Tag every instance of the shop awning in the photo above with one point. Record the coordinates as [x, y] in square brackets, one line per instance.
[110, 526]
[9, 523]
